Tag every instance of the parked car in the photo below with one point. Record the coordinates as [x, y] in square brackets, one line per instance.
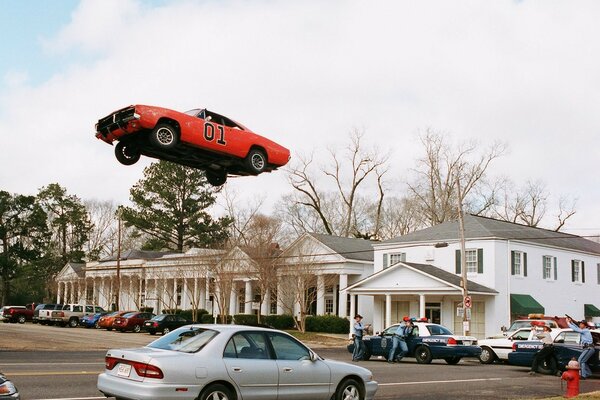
[537, 319]
[566, 346]
[229, 362]
[91, 320]
[165, 323]
[133, 321]
[19, 314]
[45, 314]
[70, 314]
[197, 138]
[427, 342]
[36, 311]
[106, 321]
[2, 313]
[8, 390]
[499, 348]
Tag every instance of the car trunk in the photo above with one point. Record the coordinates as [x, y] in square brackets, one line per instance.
[125, 369]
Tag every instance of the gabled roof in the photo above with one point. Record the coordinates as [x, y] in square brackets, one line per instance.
[350, 248]
[77, 268]
[477, 227]
[138, 255]
[429, 270]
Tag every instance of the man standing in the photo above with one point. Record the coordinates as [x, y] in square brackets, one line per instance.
[587, 342]
[545, 351]
[357, 333]
[399, 340]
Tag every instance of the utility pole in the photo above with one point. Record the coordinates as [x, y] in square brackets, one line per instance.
[463, 261]
[118, 289]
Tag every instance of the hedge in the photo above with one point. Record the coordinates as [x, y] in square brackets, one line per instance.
[209, 319]
[187, 314]
[278, 321]
[245, 319]
[327, 324]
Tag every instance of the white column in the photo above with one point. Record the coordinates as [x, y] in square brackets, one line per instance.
[352, 307]
[215, 304]
[265, 307]
[174, 293]
[184, 295]
[279, 307]
[248, 298]
[78, 300]
[59, 292]
[233, 300]
[94, 294]
[207, 293]
[202, 295]
[159, 295]
[320, 295]
[388, 309]
[421, 305]
[131, 295]
[342, 306]
[71, 290]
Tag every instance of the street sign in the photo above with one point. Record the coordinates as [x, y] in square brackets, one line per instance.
[467, 302]
[460, 311]
[468, 310]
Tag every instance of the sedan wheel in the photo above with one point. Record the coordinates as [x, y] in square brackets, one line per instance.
[487, 355]
[217, 392]
[166, 330]
[127, 154]
[423, 355]
[256, 161]
[348, 390]
[137, 328]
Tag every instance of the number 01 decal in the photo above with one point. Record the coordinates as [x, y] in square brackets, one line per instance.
[209, 133]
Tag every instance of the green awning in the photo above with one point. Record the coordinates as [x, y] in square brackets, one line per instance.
[523, 304]
[591, 310]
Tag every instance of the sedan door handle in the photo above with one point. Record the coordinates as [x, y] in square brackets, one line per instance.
[287, 369]
[236, 369]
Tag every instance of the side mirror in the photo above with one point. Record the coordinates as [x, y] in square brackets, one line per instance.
[313, 356]
[503, 329]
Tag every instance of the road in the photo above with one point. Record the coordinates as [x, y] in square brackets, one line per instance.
[72, 374]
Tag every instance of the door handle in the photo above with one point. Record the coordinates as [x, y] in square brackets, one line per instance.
[236, 369]
[287, 369]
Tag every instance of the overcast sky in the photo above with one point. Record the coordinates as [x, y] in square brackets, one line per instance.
[305, 73]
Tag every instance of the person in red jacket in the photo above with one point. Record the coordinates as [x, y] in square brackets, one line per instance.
[571, 375]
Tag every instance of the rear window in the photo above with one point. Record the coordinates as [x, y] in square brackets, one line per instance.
[438, 330]
[129, 315]
[186, 340]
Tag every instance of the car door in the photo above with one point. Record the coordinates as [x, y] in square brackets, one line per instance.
[299, 376]
[504, 346]
[249, 364]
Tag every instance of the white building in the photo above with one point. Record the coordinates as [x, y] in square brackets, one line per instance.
[512, 270]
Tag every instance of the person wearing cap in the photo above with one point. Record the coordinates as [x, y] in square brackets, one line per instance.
[571, 375]
[587, 342]
[357, 333]
[547, 350]
[399, 340]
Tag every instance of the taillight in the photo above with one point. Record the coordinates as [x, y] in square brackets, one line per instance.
[155, 324]
[142, 369]
[110, 362]
[452, 342]
[514, 347]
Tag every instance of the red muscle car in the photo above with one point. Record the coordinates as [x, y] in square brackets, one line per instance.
[133, 321]
[197, 138]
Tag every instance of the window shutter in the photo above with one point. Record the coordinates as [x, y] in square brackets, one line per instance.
[555, 270]
[524, 264]
[572, 270]
[480, 261]
[512, 262]
[458, 264]
[582, 272]
[385, 261]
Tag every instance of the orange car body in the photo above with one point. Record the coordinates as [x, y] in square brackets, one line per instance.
[106, 321]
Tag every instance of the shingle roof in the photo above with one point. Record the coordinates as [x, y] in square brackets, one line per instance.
[350, 248]
[138, 255]
[477, 227]
[78, 268]
[450, 277]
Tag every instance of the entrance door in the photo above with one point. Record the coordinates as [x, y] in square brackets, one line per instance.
[433, 312]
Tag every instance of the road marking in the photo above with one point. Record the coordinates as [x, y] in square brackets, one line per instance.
[52, 373]
[450, 381]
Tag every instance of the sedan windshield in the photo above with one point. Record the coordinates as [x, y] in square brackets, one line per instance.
[186, 340]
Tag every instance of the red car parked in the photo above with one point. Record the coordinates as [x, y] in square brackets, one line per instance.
[197, 138]
[133, 321]
[106, 321]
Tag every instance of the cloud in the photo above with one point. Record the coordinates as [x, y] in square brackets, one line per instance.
[306, 73]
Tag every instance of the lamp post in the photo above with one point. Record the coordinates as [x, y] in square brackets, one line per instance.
[118, 288]
[463, 261]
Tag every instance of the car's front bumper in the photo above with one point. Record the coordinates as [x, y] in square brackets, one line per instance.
[370, 390]
[127, 389]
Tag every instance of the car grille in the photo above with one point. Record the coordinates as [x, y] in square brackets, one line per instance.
[115, 120]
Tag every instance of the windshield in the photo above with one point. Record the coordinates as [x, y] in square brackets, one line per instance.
[193, 112]
[186, 340]
[129, 315]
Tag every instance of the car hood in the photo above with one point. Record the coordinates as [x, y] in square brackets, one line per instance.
[338, 367]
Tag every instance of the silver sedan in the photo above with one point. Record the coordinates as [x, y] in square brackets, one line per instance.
[230, 362]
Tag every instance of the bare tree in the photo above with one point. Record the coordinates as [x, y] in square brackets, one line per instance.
[242, 215]
[566, 209]
[399, 216]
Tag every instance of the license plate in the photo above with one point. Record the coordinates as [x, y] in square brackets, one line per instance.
[467, 342]
[124, 370]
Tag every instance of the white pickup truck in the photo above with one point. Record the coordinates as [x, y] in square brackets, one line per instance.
[72, 313]
[498, 348]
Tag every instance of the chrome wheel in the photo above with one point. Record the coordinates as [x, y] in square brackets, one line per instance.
[351, 393]
[137, 328]
[258, 161]
[487, 356]
[166, 330]
[165, 136]
[218, 396]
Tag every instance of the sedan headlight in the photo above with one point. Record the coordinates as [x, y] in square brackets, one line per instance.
[7, 388]
[369, 378]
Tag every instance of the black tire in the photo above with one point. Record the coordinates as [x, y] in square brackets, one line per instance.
[21, 319]
[166, 331]
[256, 161]
[73, 323]
[216, 178]
[126, 153]
[487, 355]
[548, 367]
[349, 389]
[423, 355]
[164, 136]
[367, 355]
[217, 391]
[137, 328]
[452, 360]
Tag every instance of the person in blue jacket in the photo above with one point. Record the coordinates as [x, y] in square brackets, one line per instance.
[357, 333]
[399, 340]
[587, 342]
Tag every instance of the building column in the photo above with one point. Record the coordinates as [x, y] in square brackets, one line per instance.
[352, 312]
[174, 297]
[233, 300]
[94, 298]
[320, 295]
[59, 293]
[158, 296]
[342, 306]
[388, 309]
[78, 299]
[279, 299]
[184, 295]
[201, 294]
[265, 306]
[248, 298]
[421, 305]
[71, 289]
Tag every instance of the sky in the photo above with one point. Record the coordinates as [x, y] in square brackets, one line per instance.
[305, 74]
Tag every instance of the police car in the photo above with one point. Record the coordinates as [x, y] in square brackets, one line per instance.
[498, 348]
[427, 342]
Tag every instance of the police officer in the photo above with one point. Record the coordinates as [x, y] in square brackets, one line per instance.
[587, 342]
[399, 340]
[357, 333]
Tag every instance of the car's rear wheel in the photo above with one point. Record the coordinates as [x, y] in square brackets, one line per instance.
[349, 389]
[127, 153]
[216, 178]
[166, 330]
[21, 319]
[164, 136]
[217, 392]
[487, 355]
[73, 323]
[452, 360]
[548, 367]
[137, 328]
[423, 355]
[256, 161]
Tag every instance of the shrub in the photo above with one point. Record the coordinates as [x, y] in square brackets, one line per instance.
[209, 319]
[327, 324]
[279, 321]
[246, 319]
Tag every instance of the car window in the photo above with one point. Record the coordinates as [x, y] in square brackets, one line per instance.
[129, 315]
[185, 340]
[99, 309]
[181, 319]
[89, 308]
[438, 330]
[287, 348]
[159, 318]
[391, 330]
[567, 337]
[77, 308]
[247, 345]
[521, 335]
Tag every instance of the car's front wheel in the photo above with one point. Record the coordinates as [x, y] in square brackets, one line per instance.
[349, 389]
[126, 153]
[548, 367]
[73, 323]
[423, 355]
[487, 355]
[216, 178]
[256, 161]
[217, 392]
[137, 328]
[164, 136]
[367, 355]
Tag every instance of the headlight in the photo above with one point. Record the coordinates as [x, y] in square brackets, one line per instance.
[7, 388]
[369, 378]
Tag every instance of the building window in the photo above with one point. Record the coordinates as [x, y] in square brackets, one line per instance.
[471, 261]
[328, 306]
[547, 267]
[518, 263]
[577, 271]
[397, 257]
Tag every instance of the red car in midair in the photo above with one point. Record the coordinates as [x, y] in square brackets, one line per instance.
[197, 138]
